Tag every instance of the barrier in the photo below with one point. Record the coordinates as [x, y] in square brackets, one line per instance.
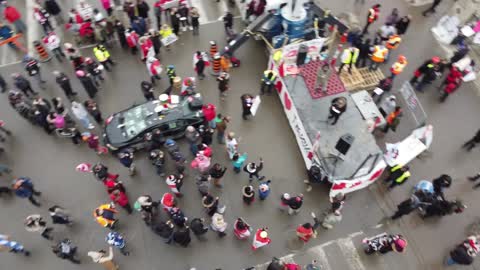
[42, 53]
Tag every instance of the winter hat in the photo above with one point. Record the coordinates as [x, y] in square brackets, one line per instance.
[286, 196]
[263, 234]
[80, 73]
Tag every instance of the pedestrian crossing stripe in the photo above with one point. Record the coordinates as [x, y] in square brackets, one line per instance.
[347, 249]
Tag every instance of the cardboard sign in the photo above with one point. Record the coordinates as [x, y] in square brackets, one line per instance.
[169, 39]
[255, 104]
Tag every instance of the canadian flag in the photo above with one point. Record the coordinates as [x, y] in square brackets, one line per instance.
[84, 167]
[261, 239]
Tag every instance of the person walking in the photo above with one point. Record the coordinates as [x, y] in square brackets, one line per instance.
[331, 219]
[199, 228]
[406, 207]
[475, 178]
[440, 183]
[221, 122]
[470, 144]
[119, 197]
[24, 188]
[228, 23]
[218, 224]
[210, 204]
[217, 172]
[399, 174]
[87, 82]
[248, 194]
[193, 138]
[66, 250]
[102, 258]
[147, 90]
[373, 14]
[60, 215]
[11, 14]
[6, 133]
[432, 8]
[3, 84]
[337, 108]
[82, 115]
[209, 112]
[199, 63]
[264, 189]
[12, 246]
[223, 84]
[22, 84]
[252, 169]
[103, 56]
[52, 7]
[33, 69]
[35, 223]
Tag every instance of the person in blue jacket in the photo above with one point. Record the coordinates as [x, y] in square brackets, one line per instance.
[23, 188]
[264, 189]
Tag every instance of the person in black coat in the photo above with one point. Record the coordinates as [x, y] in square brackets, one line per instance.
[182, 236]
[440, 183]
[198, 228]
[402, 24]
[363, 55]
[23, 85]
[200, 65]
[147, 90]
[337, 108]
[120, 29]
[143, 9]
[157, 43]
[87, 83]
[93, 110]
[165, 230]
[470, 144]
[64, 82]
[175, 20]
[228, 23]
[52, 7]
[3, 84]
[247, 102]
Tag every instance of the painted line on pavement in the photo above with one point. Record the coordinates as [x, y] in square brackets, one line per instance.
[32, 26]
[10, 64]
[322, 258]
[350, 253]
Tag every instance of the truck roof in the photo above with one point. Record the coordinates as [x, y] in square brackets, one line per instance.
[314, 113]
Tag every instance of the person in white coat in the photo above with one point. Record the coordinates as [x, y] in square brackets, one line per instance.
[82, 115]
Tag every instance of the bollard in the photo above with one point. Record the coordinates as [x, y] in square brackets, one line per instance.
[216, 65]
[42, 53]
[213, 49]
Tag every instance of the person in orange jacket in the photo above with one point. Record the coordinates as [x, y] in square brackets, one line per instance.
[398, 66]
[225, 63]
[379, 55]
[105, 215]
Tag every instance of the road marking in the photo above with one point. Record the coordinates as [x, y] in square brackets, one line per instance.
[321, 257]
[10, 64]
[32, 26]
[4, 54]
[350, 253]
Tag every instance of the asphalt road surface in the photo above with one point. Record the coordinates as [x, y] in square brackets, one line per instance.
[50, 162]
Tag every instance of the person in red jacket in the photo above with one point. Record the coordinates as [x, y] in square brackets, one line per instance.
[11, 14]
[452, 83]
[119, 197]
[209, 111]
[132, 40]
[373, 14]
